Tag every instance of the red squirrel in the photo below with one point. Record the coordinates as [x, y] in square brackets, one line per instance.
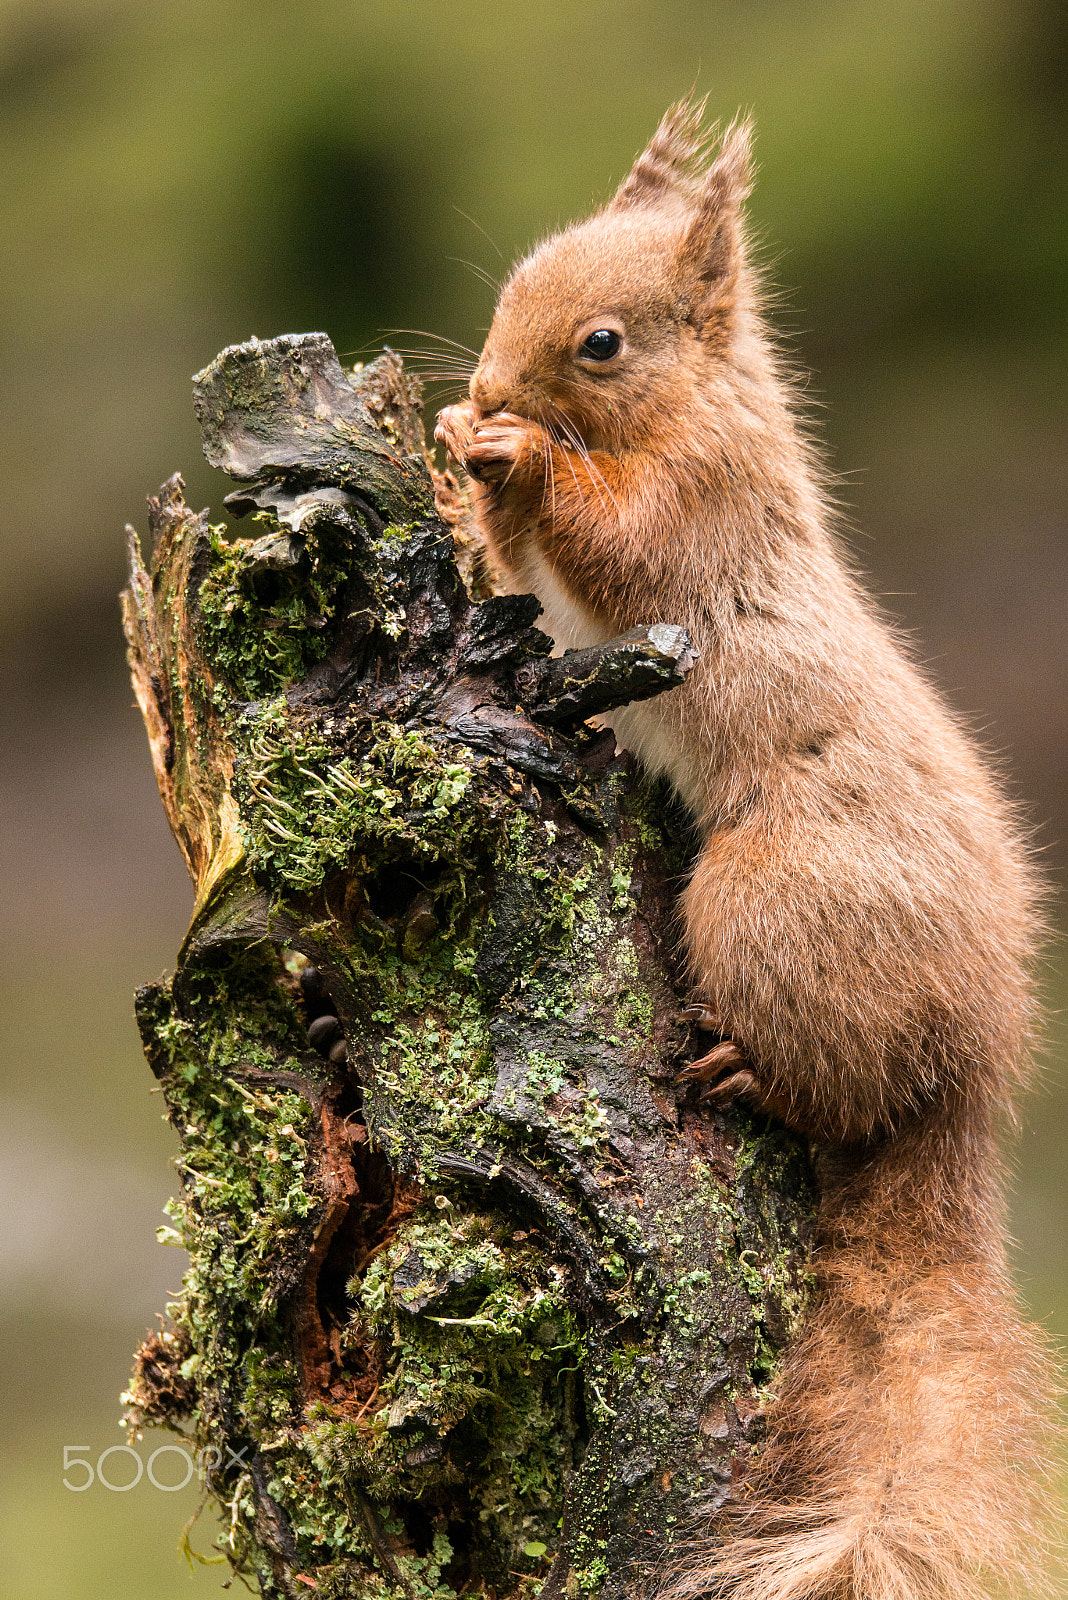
[861, 916]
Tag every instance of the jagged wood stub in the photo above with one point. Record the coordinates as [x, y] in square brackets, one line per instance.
[490, 1306]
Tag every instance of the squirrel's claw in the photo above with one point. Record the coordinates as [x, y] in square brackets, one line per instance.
[701, 1017]
[743, 1082]
[720, 1059]
[724, 1070]
[723, 1073]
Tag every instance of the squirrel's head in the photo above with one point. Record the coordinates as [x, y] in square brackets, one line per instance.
[603, 327]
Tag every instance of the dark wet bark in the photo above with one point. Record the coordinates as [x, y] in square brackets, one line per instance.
[479, 1299]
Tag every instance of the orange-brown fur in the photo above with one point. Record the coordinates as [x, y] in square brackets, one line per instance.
[862, 913]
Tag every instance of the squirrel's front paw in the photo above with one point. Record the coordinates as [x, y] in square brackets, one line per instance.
[500, 443]
[456, 428]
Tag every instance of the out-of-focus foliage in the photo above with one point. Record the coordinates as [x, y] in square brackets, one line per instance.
[177, 175]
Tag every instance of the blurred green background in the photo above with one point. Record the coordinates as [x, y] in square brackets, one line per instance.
[177, 176]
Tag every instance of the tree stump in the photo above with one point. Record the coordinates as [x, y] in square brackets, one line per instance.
[479, 1299]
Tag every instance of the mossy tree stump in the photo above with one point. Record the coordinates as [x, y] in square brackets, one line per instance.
[483, 1303]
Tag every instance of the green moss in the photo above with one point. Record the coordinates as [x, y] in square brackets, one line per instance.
[244, 1149]
[268, 607]
[482, 1343]
[262, 625]
[306, 810]
[484, 1358]
[463, 1067]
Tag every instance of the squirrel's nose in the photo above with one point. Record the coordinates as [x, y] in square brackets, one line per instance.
[487, 390]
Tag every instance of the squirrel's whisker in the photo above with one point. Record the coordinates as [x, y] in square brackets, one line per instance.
[479, 272]
[424, 333]
[493, 245]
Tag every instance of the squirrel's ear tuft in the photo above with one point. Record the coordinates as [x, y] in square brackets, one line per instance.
[668, 160]
[713, 247]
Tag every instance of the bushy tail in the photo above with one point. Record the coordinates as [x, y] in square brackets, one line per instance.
[912, 1429]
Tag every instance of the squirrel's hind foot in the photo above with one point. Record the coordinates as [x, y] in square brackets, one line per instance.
[708, 1069]
[723, 1073]
[743, 1083]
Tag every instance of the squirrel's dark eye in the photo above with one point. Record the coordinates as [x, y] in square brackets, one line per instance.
[602, 344]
